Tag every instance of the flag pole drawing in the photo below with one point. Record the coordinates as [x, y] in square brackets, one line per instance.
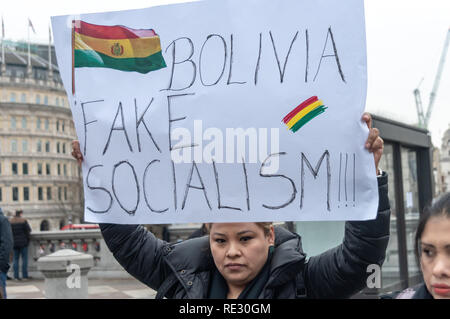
[304, 113]
[115, 47]
[73, 57]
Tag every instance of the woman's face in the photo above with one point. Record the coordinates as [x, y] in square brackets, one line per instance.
[240, 250]
[435, 256]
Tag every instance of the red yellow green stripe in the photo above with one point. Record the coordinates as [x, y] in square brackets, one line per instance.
[89, 58]
[129, 48]
[116, 47]
[299, 108]
[304, 113]
[111, 32]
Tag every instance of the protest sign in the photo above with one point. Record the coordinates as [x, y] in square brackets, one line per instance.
[221, 111]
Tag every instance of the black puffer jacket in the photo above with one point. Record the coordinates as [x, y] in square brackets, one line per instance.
[6, 242]
[21, 232]
[183, 270]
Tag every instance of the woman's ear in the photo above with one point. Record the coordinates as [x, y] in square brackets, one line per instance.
[271, 236]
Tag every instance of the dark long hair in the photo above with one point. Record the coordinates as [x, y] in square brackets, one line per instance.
[439, 207]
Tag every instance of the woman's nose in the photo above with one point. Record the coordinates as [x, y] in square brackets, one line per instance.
[233, 250]
[441, 267]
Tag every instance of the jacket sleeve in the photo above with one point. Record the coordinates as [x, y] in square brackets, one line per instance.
[6, 245]
[138, 251]
[27, 229]
[342, 271]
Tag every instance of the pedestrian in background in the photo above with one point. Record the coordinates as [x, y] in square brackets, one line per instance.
[6, 246]
[10, 215]
[432, 248]
[21, 233]
[200, 232]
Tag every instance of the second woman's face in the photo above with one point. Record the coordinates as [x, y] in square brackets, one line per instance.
[435, 256]
[240, 250]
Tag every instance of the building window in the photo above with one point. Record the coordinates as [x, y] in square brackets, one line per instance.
[14, 146]
[57, 147]
[39, 146]
[40, 194]
[65, 169]
[47, 124]
[64, 148]
[57, 101]
[47, 147]
[14, 168]
[39, 168]
[57, 125]
[15, 194]
[65, 193]
[12, 97]
[59, 169]
[38, 123]
[25, 168]
[24, 146]
[24, 122]
[23, 98]
[13, 122]
[49, 193]
[63, 126]
[38, 99]
[47, 169]
[26, 193]
[46, 100]
[59, 193]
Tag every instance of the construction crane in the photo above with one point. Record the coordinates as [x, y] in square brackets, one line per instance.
[425, 118]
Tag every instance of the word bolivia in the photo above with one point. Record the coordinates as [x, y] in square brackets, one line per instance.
[192, 69]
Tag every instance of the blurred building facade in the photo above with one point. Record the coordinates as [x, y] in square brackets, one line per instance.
[37, 171]
[444, 177]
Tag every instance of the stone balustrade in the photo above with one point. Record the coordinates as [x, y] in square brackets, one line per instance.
[43, 243]
[91, 242]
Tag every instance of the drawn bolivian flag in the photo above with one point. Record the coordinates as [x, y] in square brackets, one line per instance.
[116, 47]
[304, 113]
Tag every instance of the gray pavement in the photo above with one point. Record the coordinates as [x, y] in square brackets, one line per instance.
[97, 288]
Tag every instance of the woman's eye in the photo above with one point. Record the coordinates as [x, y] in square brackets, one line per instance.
[428, 252]
[219, 240]
[247, 238]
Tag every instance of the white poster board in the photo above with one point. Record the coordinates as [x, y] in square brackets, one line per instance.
[254, 114]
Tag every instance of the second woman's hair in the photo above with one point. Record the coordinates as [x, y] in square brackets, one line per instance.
[439, 207]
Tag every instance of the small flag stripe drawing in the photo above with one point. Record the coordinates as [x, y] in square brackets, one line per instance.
[308, 118]
[303, 113]
[299, 108]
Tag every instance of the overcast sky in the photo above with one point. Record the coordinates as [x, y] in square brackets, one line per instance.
[405, 39]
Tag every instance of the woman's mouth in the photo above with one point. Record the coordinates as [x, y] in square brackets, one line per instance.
[234, 266]
[441, 289]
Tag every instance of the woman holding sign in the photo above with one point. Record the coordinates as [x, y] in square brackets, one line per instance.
[254, 260]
